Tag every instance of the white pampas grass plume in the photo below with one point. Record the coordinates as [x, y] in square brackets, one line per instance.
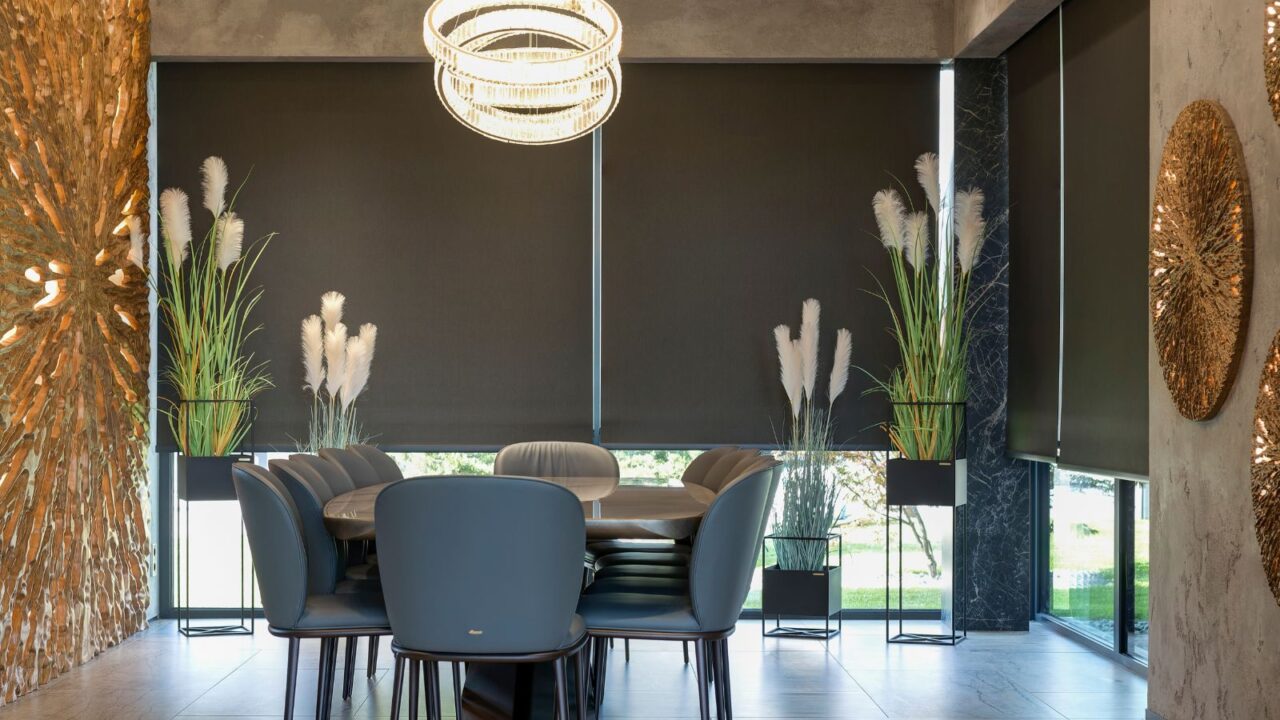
[971, 229]
[175, 224]
[331, 308]
[891, 216]
[840, 366]
[230, 238]
[359, 358]
[809, 313]
[917, 239]
[369, 336]
[313, 353]
[789, 367]
[214, 183]
[927, 176]
[137, 243]
[335, 358]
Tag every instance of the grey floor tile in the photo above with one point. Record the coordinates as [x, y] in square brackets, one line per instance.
[1097, 705]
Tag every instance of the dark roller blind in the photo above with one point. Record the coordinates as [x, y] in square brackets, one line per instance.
[731, 194]
[1105, 126]
[1034, 241]
[473, 257]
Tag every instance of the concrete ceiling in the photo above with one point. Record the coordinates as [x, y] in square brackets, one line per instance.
[655, 30]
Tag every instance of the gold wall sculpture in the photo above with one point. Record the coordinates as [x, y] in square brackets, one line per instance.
[74, 348]
[1266, 467]
[1271, 55]
[1201, 259]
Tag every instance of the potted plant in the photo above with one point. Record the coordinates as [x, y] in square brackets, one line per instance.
[337, 371]
[205, 303]
[927, 389]
[802, 582]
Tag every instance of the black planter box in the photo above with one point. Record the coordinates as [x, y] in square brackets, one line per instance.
[801, 593]
[925, 482]
[207, 478]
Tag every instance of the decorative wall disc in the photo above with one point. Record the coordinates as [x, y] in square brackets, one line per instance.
[1271, 56]
[74, 347]
[1266, 467]
[1201, 260]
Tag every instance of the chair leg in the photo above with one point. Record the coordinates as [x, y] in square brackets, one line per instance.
[373, 657]
[626, 649]
[397, 687]
[431, 676]
[415, 676]
[685, 646]
[349, 667]
[291, 678]
[324, 684]
[580, 669]
[457, 689]
[725, 675]
[597, 661]
[562, 688]
[700, 658]
[718, 670]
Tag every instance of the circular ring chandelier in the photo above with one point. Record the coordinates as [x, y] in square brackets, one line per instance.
[533, 72]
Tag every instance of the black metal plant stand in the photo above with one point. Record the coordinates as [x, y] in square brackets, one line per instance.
[803, 593]
[937, 483]
[201, 479]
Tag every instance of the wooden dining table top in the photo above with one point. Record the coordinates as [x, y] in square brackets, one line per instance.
[614, 509]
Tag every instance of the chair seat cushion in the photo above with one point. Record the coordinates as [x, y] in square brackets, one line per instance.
[637, 612]
[661, 571]
[643, 558]
[644, 585]
[363, 571]
[337, 612]
[608, 547]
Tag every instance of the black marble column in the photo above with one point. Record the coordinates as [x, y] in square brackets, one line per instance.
[998, 586]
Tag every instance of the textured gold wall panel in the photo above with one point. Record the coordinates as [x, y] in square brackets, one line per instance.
[74, 346]
[1201, 263]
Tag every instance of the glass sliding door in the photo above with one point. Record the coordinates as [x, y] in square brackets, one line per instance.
[1140, 554]
[1082, 561]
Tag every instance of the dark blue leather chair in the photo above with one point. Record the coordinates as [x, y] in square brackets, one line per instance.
[481, 569]
[387, 469]
[295, 608]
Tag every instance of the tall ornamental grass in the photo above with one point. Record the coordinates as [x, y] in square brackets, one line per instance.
[205, 302]
[337, 370]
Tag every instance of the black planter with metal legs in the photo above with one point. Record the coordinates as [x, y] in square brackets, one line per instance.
[816, 594]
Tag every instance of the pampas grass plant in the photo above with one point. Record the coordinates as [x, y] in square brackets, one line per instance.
[205, 302]
[811, 492]
[929, 321]
[337, 368]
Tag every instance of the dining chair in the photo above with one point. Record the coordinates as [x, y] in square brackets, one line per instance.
[337, 480]
[359, 564]
[324, 564]
[362, 474]
[504, 591]
[555, 459]
[723, 561]
[388, 470]
[278, 546]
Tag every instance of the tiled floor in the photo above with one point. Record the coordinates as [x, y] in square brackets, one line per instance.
[159, 675]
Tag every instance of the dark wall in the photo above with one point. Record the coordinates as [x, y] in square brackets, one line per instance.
[472, 257]
[731, 194]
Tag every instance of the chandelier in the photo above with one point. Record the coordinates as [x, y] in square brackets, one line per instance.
[532, 72]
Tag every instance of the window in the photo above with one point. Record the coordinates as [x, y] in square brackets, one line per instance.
[1141, 606]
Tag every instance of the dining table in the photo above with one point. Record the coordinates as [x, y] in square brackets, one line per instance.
[627, 508]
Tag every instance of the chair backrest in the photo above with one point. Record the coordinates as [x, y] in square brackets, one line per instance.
[725, 549]
[302, 482]
[357, 468]
[275, 540]
[387, 469]
[723, 470]
[555, 459]
[334, 477]
[483, 565]
[696, 472]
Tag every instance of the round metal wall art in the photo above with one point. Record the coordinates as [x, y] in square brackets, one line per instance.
[1265, 467]
[1271, 55]
[1201, 259]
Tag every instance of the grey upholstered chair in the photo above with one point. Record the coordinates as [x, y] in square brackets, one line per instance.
[279, 550]
[362, 474]
[504, 591]
[358, 565]
[324, 564]
[387, 469]
[555, 459]
[720, 571]
[334, 477]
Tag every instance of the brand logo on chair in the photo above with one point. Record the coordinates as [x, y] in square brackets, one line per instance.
[475, 632]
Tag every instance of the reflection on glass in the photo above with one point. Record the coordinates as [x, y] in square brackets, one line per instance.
[1082, 536]
[1141, 571]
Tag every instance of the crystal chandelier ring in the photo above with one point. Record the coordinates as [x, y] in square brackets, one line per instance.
[526, 71]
